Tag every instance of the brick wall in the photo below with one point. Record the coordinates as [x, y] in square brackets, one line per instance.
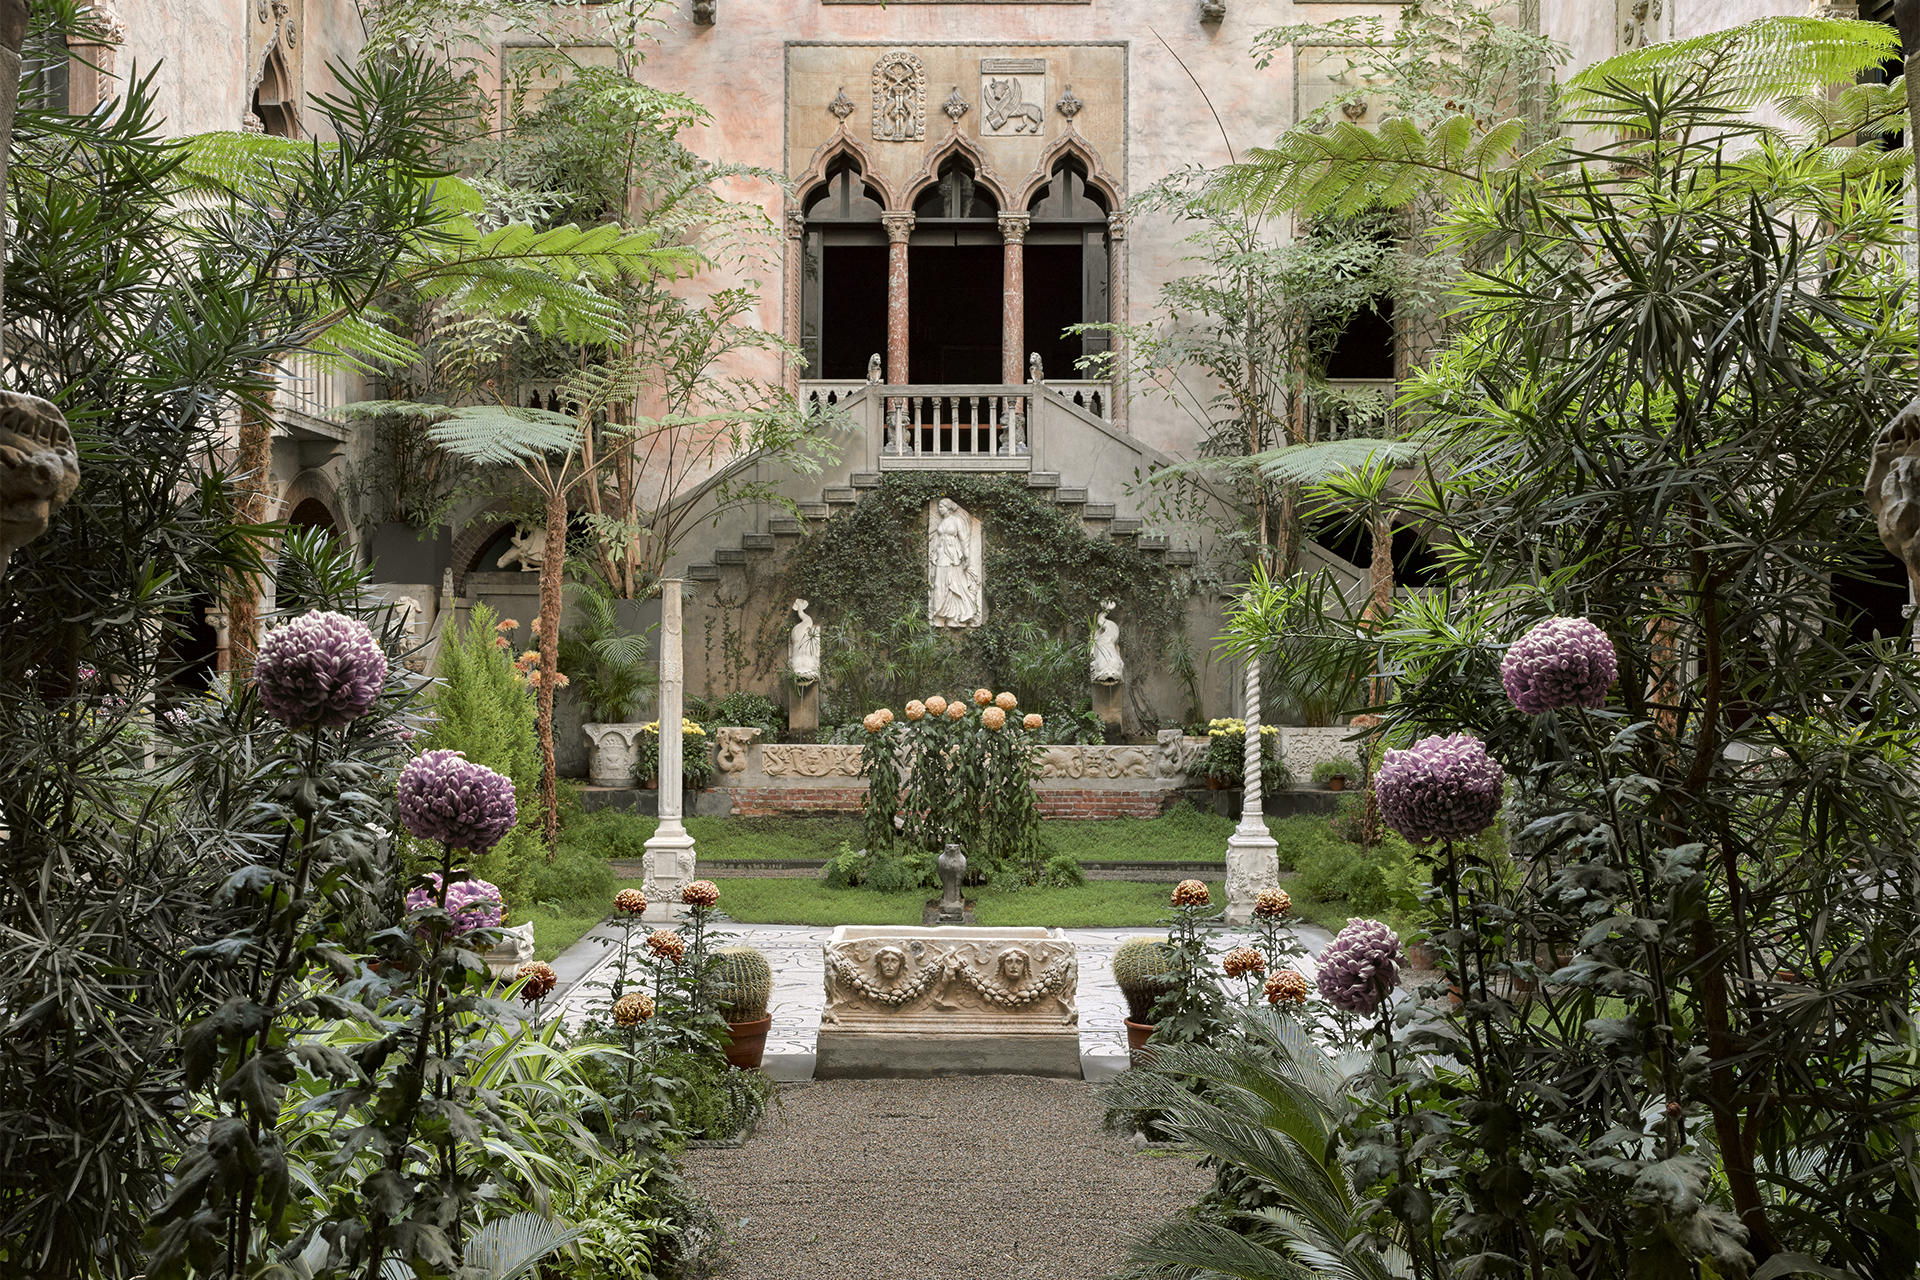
[760, 802]
[1102, 804]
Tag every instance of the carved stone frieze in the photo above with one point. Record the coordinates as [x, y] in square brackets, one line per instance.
[1179, 754]
[809, 760]
[951, 980]
[1011, 91]
[899, 98]
[1096, 762]
[730, 748]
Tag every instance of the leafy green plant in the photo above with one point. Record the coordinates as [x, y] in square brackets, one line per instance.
[482, 708]
[1345, 770]
[607, 665]
[741, 709]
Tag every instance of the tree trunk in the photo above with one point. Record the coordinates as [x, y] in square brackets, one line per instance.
[1380, 605]
[553, 571]
[254, 462]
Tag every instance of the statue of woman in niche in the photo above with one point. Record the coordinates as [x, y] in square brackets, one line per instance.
[1106, 666]
[804, 650]
[952, 555]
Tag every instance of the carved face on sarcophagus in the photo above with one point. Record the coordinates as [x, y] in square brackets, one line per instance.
[39, 469]
[1893, 487]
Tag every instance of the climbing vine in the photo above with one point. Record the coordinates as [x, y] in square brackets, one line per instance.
[1045, 578]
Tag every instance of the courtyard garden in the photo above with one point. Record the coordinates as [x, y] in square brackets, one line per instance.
[1555, 916]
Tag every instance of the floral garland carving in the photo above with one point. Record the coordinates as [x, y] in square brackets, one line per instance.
[1043, 985]
[893, 997]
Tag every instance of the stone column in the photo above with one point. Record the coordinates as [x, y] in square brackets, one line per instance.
[899, 226]
[1117, 313]
[670, 854]
[1253, 856]
[796, 269]
[1013, 304]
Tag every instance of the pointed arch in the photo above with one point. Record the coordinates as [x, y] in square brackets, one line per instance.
[841, 145]
[1098, 176]
[957, 144]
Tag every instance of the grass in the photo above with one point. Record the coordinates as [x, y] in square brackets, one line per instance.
[555, 928]
[1109, 904]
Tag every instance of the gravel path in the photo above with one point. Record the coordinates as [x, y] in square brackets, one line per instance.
[979, 1178]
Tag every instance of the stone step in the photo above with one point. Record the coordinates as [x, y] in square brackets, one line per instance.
[841, 495]
[1100, 511]
[1123, 527]
[1185, 555]
[703, 572]
[729, 555]
[757, 541]
[865, 480]
[1153, 542]
[1070, 497]
[1043, 480]
[784, 526]
[815, 510]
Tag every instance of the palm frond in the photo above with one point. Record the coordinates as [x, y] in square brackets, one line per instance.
[1755, 62]
[512, 1248]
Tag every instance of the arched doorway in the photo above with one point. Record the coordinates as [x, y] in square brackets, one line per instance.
[954, 281]
[273, 98]
[843, 288]
[1068, 269]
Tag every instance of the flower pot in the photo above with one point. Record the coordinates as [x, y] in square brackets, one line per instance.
[1216, 784]
[1338, 782]
[1138, 1054]
[612, 753]
[748, 1042]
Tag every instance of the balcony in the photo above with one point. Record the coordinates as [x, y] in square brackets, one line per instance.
[979, 427]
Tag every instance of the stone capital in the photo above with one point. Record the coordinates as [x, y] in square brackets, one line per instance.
[1013, 227]
[899, 226]
[1116, 226]
[796, 224]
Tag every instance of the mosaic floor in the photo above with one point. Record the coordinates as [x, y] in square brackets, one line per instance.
[799, 989]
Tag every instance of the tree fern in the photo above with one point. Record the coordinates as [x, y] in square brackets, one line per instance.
[1744, 66]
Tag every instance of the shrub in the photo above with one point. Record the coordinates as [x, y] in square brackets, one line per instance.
[484, 709]
[741, 709]
[579, 873]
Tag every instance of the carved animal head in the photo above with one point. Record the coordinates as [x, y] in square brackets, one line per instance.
[39, 469]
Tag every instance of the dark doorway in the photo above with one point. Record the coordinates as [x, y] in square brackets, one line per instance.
[1875, 603]
[1053, 302]
[1364, 347]
[853, 293]
[953, 309]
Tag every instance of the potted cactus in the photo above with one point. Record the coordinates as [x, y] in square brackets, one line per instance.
[1144, 969]
[743, 984]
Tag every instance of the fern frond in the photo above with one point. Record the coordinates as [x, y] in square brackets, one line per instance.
[1744, 66]
[245, 163]
[361, 343]
[1319, 460]
[496, 435]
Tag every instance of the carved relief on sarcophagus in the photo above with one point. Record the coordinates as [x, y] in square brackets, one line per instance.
[949, 1001]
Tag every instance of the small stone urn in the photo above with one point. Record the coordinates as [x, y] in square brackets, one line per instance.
[953, 867]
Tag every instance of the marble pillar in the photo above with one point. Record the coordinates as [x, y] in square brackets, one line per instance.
[670, 855]
[1253, 856]
[1013, 304]
[1117, 305]
[899, 226]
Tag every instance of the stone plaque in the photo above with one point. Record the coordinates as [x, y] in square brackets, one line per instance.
[1013, 93]
[899, 98]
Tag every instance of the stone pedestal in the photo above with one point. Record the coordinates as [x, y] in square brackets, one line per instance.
[1108, 702]
[670, 853]
[949, 1001]
[803, 710]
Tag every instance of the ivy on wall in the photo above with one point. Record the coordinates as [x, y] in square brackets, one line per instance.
[865, 570]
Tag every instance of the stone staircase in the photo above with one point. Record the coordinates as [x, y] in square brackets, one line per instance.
[1100, 519]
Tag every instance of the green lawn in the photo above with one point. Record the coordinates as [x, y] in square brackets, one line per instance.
[1112, 904]
[556, 930]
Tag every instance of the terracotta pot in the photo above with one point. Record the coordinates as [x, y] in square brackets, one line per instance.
[1216, 784]
[1139, 1053]
[1338, 782]
[748, 1043]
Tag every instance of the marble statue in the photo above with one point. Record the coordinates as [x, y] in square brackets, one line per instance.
[953, 866]
[529, 551]
[1106, 666]
[875, 371]
[1893, 488]
[514, 949]
[1036, 372]
[804, 648]
[953, 555]
[39, 469]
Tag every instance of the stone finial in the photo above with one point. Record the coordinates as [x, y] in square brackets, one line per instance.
[841, 107]
[1069, 105]
[39, 469]
[955, 106]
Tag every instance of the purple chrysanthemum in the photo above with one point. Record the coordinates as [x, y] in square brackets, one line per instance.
[1360, 966]
[473, 904]
[321, 669]
[448, 798]
[1563, 662]
[1439, 788]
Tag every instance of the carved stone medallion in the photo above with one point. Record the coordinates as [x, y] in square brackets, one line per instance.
[899, 98]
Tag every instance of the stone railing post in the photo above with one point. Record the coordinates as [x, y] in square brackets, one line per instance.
[670, 854]
[1253, 856]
